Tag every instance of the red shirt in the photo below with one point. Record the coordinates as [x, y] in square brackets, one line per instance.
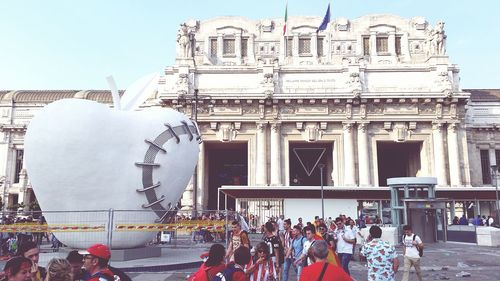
[206, 272]
[332, 273]
[240, 276]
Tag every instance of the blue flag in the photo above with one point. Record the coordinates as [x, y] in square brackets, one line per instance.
[325, 21]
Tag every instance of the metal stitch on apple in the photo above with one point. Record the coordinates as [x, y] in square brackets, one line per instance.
[173, 132]
[154, 203]
[149, 187]
[156, 145]
[186, 126]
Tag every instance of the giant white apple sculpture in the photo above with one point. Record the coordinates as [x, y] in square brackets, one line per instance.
[84, 156]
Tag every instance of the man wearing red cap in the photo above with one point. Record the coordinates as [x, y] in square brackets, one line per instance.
[95, 262]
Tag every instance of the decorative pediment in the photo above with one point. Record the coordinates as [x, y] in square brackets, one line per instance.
[304, 29]
[382, 28]
[230, 30]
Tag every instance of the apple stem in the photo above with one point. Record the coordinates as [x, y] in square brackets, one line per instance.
[114, 92]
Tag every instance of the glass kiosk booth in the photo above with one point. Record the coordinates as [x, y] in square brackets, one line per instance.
[413, 202]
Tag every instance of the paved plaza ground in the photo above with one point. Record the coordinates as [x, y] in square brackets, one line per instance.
[441, 261]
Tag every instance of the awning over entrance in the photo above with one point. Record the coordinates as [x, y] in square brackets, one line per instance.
[256, 192]
[337, 192]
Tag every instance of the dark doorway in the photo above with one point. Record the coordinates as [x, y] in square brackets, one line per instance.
[304, 161]
[228, 165]
[423, 222]
[397, 160]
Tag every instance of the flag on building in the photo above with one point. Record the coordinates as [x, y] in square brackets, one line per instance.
[286, 18]
[325, 21]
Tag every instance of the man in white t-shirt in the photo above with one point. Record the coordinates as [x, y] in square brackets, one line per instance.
[345, 243]
[411, 246]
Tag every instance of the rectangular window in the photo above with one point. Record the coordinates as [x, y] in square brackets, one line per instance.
[485, 166]
[289, 47]
[398, 45]
[304, 46]
[213, 47]
[19, 164]
[382, 45]
[497, 156]
[366, 46]
[228, 47]
[320, 46]
[244, 47]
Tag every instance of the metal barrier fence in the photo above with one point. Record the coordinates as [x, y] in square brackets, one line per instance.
[116, 228]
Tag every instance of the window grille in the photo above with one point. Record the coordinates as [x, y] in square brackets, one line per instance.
[213, 47]
[228, 47]
[382, 45]
[485, 166]
[320, 46]
[366, 46]
[244, 47]
[289, 47]
[304, 46]
[398, 45]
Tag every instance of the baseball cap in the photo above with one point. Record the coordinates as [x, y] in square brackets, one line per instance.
[97, 250]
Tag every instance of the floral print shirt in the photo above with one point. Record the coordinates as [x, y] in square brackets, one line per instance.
[380, 256]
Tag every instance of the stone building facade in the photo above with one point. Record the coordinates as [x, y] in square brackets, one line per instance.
[369, 98]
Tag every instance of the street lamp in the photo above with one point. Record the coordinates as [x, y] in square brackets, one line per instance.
[321, 167]
[495, 170]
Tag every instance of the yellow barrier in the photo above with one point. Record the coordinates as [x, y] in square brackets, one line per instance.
[51, 228]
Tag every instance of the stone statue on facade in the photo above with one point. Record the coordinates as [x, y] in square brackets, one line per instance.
[184, 41]
[436, 40]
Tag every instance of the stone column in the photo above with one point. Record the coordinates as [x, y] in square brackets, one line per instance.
[349, 168]
[439, 163]
[276, 154]
[201, 200]
[453, 155]
[314, 45]
[251, 49]
[391, 43]
[363, 159]
[261, 163]
[237, 46]
[373, 43]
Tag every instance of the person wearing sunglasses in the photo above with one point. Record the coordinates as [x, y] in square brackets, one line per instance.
[345, 243]
[95, 262]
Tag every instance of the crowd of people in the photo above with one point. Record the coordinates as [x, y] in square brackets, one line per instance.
[317, 250]
[477, 221]
[86, 265]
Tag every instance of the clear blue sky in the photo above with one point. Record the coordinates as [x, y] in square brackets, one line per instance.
[70, 44]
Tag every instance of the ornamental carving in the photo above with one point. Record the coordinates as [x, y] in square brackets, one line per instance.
[453, 111]
[427, 108]
[287, 109]
[376, 108]
[439, 110]
[250, 109]
[348, 111]
[338, 109]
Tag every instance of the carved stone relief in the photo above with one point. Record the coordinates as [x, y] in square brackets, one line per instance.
[348, 111]
[375, 108]
[287, 109]
[439, 110]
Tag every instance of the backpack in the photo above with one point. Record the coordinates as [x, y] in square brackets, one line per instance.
[420, 250]
[226, 274]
